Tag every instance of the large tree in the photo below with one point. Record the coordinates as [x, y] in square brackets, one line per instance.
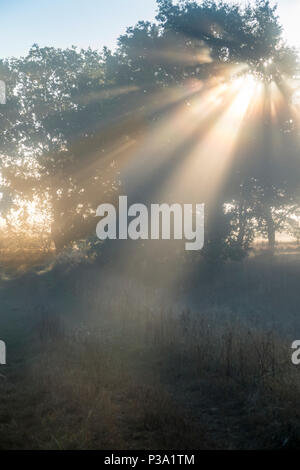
[209, 39]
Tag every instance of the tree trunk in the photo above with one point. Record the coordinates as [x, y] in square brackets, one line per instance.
[242, 225]
[270, 228]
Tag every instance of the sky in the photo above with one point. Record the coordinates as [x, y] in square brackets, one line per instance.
[95, 23]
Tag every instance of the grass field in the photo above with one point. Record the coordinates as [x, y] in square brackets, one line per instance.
[99, 363]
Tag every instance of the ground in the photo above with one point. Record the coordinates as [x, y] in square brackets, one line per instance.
[95, 362]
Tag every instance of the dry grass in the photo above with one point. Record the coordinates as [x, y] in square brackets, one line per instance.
[110, 373]
[156, 381]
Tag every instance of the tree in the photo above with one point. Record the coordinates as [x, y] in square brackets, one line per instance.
[212, 39]
[44, 127]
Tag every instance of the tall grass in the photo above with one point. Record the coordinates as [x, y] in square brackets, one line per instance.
[117, 369]
[155, 380]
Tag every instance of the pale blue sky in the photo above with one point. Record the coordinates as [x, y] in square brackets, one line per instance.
[95, 23]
